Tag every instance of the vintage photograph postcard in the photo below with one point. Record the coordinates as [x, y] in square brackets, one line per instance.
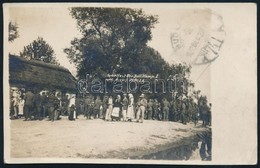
[126, 83]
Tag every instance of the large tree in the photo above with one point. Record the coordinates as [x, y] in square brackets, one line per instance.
[114, 40]
[39, 50]
[12, 31]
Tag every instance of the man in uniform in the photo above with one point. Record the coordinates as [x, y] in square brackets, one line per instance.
[38, 106]
[141, 110]
[44, 104]
[86, 106]
[203, 112]
[173, 110]
[155, 109]
[183, 111]
[166, 106]
[52, 104]
[104, 106]
[209, 115]
[124, 108]
[28, 104]
[97, 106]
[150, 109]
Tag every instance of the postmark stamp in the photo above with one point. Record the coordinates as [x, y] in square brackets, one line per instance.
[198, 38]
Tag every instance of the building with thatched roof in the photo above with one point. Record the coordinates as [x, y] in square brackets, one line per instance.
[40, 75]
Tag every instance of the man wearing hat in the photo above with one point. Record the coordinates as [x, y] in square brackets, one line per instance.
[141, 110]
[28, 104]
[53, 102]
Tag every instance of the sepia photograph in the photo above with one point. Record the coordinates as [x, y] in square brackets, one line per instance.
[130, 83]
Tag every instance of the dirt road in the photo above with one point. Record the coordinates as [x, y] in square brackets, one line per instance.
[96, 138]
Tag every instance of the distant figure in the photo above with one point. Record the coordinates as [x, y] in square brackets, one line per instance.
[38, 106]
[44, 105]
[124, 108]
[150, 109]
[52, 105]
[183, 112]
[28, 104]
[117, 107]
[71, 112]
[141, 110]
[15, 103]
[195, 114]
[203, 112]
[91, 108]
[110, 109]
[209, 115]
[130, 108]
[155, 109]
[87, 103]
[21, 107]
[72, 107]
[81, 107]
[97, 106]
[104, 106]
[173, 110]
[165, 106]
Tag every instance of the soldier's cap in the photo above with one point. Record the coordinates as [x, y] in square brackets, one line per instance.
[130, 95]
[142, 95]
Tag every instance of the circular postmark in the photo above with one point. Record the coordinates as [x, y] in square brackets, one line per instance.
[198, 37]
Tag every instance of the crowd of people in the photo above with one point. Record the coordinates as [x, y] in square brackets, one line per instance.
[38, 105]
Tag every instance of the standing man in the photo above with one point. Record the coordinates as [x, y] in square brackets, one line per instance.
[124, 108]
[44, 105]
[155, 109]
[183, 111]
[141, 111]
[16, 103]
[52, 103]
[150, 109]
[104, 106]
[166, 106]
[38, 106]
[203, 112]
[173, 110]
[110, 108]
[28, 104]
[86, 104]
[97, 106]
[209, 115]
[21, 106]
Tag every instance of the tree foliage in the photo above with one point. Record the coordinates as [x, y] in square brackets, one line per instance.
[12, 31]
[39, 50]
[113, 40]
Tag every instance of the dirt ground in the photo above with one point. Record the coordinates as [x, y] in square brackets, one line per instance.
[95, 138]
